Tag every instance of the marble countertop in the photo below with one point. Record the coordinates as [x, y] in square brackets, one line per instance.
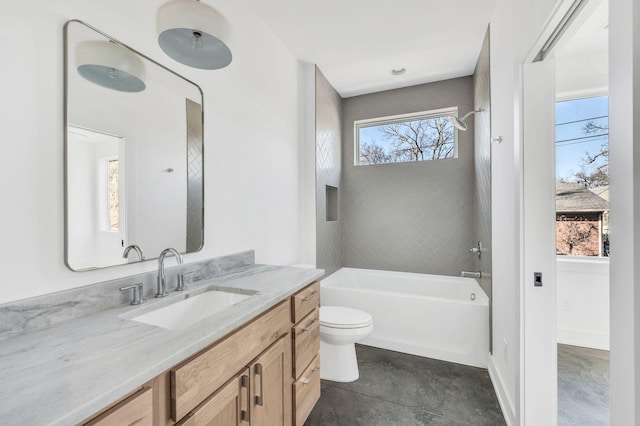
[66, 373]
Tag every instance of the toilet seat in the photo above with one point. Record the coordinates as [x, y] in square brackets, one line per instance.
[344, 318]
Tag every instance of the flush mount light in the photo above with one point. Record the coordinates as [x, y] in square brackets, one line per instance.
[398, 71]
[111, 65]
[194, 34]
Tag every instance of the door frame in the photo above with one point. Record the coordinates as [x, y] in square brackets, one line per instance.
[538, 346]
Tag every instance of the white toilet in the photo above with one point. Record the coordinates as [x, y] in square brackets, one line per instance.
[340, 328]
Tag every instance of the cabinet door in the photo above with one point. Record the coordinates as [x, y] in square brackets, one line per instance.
[227, 407]
[271, 385]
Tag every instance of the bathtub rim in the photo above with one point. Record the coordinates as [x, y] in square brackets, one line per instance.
[481, 297]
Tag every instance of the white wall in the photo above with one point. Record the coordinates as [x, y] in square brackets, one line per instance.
[582, 75]
[152, 123]
[82, 207]
[251, 139]
[583, 301]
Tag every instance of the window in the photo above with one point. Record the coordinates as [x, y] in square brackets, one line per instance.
[108, 194]
[113, 172]
[582, 177]
[405, 138]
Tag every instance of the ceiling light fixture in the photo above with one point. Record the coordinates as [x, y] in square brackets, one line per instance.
[398, 71]
[111, 65]
[194, 34]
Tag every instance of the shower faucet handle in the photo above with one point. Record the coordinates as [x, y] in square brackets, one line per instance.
[476, 250]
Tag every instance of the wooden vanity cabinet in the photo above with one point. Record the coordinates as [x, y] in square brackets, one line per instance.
[136, 409]
[305, 310]
[248, 378]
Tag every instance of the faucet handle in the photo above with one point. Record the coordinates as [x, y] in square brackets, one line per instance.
[138, 293]
[476, 250]
[181, 284]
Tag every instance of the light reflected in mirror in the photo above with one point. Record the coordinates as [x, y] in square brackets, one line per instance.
[133, 158]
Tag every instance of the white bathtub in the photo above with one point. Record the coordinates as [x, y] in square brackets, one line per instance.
[433, 316]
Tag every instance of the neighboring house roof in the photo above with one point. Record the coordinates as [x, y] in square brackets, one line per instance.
[601, 191]
[574, 197]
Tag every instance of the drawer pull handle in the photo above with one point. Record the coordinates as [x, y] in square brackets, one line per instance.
[309, 326]
[310, 296]
[259, 373]
[244, 414]
[313, 374]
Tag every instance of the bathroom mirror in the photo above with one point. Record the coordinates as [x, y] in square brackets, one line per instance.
[133, 154]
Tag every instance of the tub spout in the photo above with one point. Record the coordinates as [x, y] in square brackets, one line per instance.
[475, 274]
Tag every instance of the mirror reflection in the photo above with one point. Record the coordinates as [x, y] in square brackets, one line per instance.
[133, 160]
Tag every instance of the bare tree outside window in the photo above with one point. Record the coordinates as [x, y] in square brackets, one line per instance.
[370, 153]
[429, 137]
[577, 236]
[594, 170]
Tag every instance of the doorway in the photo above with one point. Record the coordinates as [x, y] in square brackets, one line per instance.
[549, 235]
[582, 218]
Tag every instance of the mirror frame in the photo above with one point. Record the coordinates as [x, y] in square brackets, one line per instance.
[65, 123]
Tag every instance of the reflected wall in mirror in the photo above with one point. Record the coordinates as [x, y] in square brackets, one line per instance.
[133, 154]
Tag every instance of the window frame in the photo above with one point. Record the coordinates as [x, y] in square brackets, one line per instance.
[399, 118]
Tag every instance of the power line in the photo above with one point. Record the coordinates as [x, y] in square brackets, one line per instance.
[580, 121]
[581, 138]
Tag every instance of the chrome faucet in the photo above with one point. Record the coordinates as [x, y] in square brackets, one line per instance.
[136, 248]
[162, 285]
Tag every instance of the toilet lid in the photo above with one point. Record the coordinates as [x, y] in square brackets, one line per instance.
[341, 317]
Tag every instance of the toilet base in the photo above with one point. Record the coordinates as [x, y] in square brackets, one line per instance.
[338, 363]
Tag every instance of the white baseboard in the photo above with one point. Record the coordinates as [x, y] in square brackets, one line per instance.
[586, 339]
[506, 403]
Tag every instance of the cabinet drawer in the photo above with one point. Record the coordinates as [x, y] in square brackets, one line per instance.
[136, 410]
[196, 379]
[228, 406]
[306, 341]
[305, 301]
[306, 392]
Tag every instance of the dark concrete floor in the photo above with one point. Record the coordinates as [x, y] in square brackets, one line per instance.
[397, 389]
[583, 386]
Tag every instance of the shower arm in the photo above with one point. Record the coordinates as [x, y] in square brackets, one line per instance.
[475, 111]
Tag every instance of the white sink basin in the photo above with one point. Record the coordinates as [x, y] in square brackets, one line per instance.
[189, 311]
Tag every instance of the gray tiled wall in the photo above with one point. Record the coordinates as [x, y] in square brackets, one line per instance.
[195, 171]
[328, 172]
[412, 217]
[482, 193]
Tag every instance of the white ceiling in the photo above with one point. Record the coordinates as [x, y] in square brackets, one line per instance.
[356, 43]
[582, 55]
[589, 33]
